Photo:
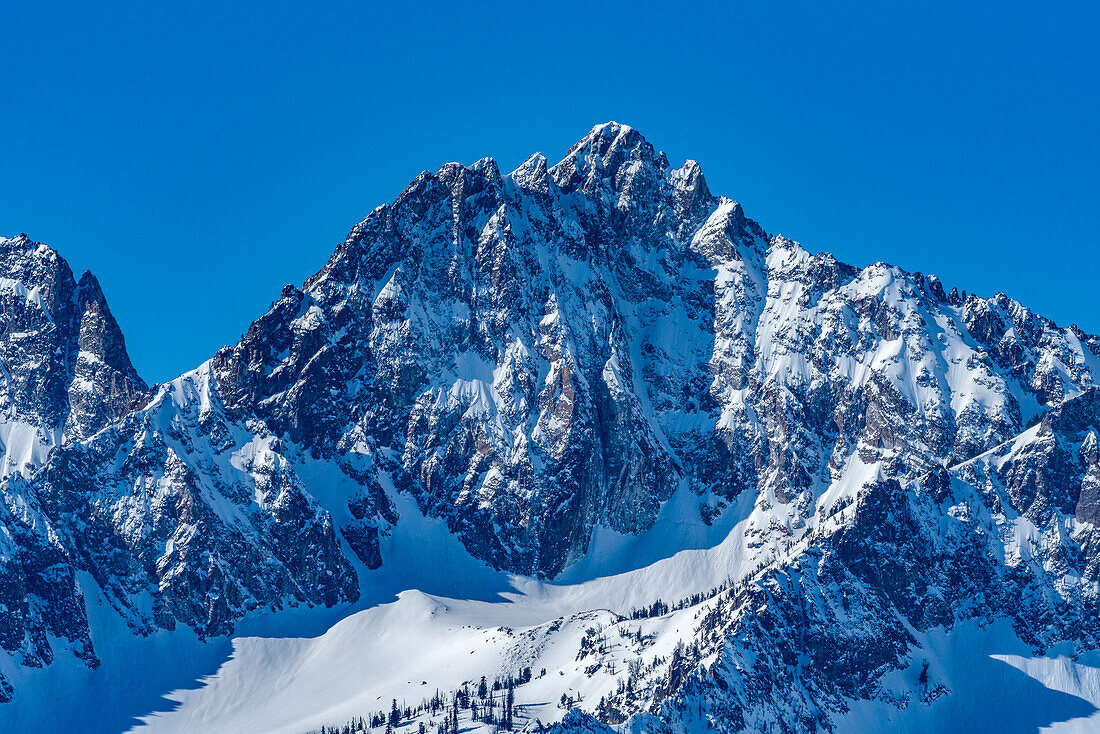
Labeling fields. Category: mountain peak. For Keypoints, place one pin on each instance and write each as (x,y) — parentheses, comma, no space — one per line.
(602,154)
(88,288)
(531,175)
(610,131)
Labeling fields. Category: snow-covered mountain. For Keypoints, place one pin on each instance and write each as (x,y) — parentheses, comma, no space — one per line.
(65,375)
(586,420)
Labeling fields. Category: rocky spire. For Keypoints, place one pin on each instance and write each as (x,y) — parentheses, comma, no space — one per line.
(104,382)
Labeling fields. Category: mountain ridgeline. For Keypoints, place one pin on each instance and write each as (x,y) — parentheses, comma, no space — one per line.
(534,356)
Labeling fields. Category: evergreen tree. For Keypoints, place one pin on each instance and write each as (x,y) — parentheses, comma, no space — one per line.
(509,703)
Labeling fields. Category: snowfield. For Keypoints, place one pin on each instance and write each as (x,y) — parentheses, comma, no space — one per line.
(408,645)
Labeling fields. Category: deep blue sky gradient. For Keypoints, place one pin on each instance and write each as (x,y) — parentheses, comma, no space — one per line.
(197,157)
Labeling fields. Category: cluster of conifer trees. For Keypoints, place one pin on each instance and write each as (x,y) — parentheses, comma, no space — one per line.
(493,704)
(660,608)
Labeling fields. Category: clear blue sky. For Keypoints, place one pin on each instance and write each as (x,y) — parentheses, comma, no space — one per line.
(197,156)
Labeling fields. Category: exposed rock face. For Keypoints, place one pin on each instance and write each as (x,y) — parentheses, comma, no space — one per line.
(156,505)
(65,376)
(534,355)
(510,402)
(132,491)
(1000,536)
(66,368)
